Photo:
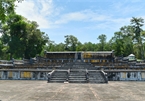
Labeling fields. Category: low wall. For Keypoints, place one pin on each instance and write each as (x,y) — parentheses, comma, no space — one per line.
(126,76)
(42,75)
(8,75)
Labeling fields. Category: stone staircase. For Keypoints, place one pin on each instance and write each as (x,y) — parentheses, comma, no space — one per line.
(77,77)
(78,72)
(96,77)
(59,77)
(80,65)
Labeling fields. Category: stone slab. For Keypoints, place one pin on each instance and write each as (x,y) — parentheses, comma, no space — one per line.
(29,90)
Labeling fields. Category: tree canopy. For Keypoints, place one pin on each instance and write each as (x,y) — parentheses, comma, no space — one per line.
(7,7)
(22,38)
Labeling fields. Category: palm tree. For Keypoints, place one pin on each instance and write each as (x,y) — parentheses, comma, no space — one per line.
(137,23)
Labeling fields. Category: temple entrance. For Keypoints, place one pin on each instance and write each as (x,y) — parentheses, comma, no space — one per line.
(79,56)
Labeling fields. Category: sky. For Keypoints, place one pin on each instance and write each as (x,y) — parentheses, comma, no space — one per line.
(84,19)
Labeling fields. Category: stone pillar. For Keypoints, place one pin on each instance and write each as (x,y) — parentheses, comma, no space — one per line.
(5,74)
(0,75)
(38,75)
(139,75)
(19,75)
(100,60)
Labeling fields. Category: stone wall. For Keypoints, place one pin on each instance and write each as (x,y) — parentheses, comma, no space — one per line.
(117,76)
(127,76)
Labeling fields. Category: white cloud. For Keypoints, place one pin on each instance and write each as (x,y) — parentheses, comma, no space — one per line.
(36,11)
(126,7)
(85,15)
(47,15)
(47,7)
(99,21)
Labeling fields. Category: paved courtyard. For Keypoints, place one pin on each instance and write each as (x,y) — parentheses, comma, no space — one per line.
(15,90)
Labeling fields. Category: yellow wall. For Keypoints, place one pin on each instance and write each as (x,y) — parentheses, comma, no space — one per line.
(86,60)
(93,61)
(143,75)
(123,75)
(104,60)
(26,74)
(87,55)
(10,74)
(22,74)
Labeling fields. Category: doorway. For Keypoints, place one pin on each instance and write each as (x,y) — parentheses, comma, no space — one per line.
(79,56)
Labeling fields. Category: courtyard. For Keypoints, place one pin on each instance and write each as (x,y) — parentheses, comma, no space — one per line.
(29,90)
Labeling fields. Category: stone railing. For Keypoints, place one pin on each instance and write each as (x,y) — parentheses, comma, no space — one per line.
(87,75)
(49,75)
(104,76)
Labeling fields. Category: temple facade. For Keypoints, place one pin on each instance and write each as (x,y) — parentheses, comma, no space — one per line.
(73,67)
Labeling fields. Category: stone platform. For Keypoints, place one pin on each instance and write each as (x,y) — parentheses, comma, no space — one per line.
(29,90)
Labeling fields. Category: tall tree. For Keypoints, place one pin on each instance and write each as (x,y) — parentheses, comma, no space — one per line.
(22,37)
(102,38)
(60,47)
(117,43)
(6,8)
(35,40)
(13,32)
(88,46)
(137,23)
(71,43)
(122,41)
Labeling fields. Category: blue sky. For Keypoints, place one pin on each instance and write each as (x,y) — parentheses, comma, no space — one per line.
(85,19)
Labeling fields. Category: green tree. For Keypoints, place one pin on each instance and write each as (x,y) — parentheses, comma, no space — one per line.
(122,41)
(79,47)
(6,8)
(137,23)
(22,37)
(102,38)
(51,46)
(60,47)
(1,47)
(36,40)
(71,43)
(117,43)
(13,32)
(88,46)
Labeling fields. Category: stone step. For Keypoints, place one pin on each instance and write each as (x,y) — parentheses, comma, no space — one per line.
(95,77)
(59,74)
(77,81)
(79,76)
(73,79)
(72,70)
(64,77)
